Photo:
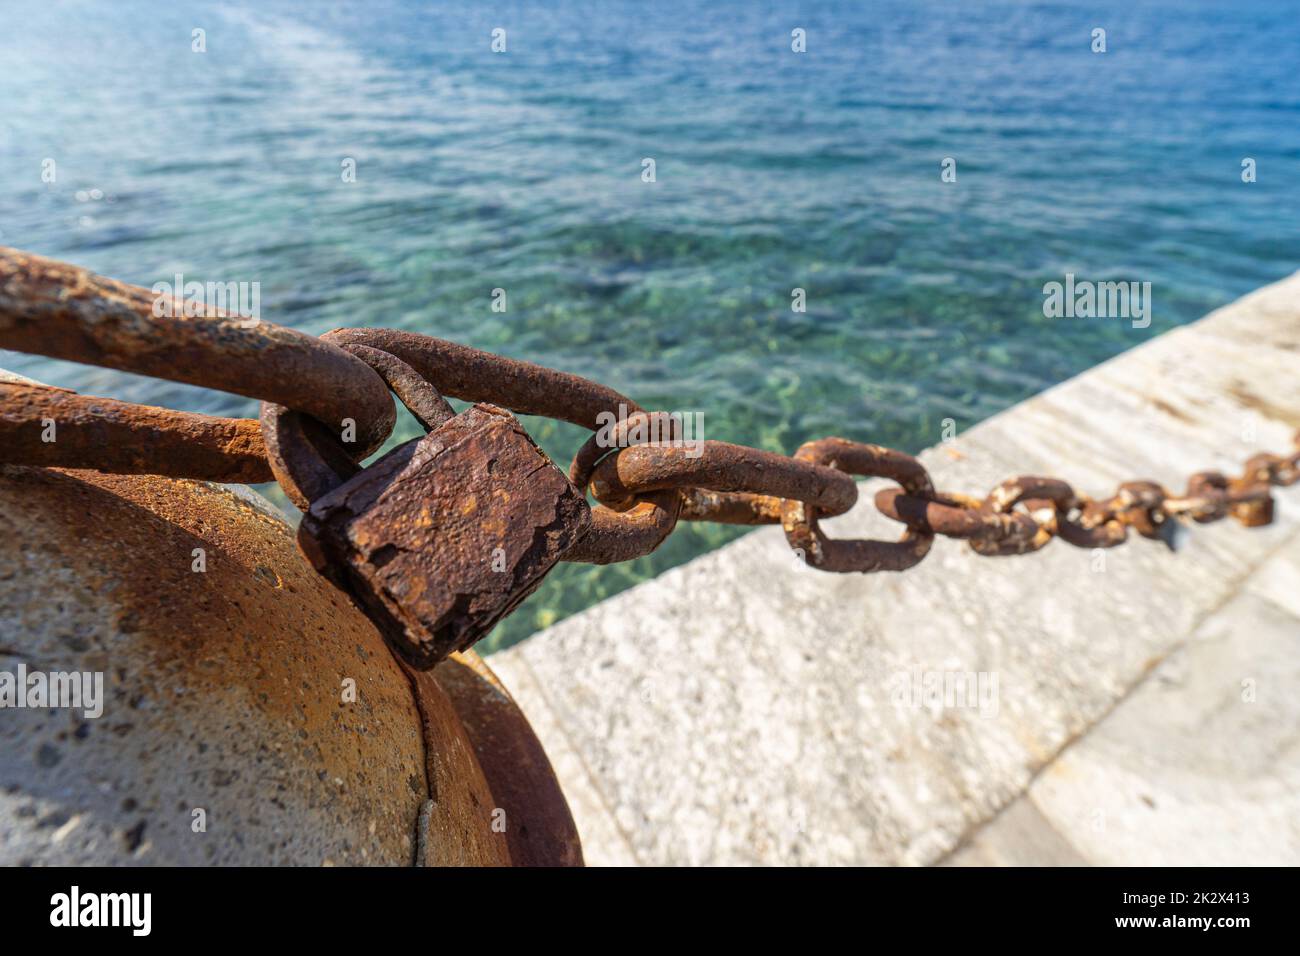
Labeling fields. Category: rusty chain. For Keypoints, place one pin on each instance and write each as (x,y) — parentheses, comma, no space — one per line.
(310,387)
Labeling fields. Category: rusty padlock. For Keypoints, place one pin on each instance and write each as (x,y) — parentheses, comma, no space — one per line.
(445,535)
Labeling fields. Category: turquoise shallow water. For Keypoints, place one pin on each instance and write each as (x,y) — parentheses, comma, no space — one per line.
(522,170)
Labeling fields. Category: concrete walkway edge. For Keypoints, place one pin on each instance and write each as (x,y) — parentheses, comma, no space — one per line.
(1130,706)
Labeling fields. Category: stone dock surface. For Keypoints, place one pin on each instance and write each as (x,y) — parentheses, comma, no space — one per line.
(742,709)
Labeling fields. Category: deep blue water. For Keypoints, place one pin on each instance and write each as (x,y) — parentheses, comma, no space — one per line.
(775,170)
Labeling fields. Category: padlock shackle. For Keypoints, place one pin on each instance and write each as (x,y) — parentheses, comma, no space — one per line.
(412,389)
(477,376)
(309,461)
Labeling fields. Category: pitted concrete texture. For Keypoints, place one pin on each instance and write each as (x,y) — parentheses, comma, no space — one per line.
(744,709)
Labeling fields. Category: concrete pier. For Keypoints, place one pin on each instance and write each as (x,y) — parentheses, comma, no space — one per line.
(1134,707)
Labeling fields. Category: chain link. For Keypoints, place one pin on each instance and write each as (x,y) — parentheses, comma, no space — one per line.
(642,487)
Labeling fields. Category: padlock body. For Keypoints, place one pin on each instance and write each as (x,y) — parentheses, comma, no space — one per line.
(445,535)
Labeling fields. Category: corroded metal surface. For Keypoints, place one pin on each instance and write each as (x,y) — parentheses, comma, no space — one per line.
(624,535)
(125,438)
(1051,508)
(719,466)
(1043,500)
(800,519)
(55,309)
(635,429)
(303,459)
(446,534)
(437,584)
(308,461)
(477,376)
(643,487)
(534,815)
(951,515)
(421,399)
(460,801)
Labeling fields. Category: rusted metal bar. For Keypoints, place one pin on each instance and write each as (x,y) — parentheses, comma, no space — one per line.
(1275,469)
(1043,499)
(730,507)
(55,309)
(1140,505)
(1095,525)
(720,466)
(478,376)
(953,516)
(800,519)
(307,464)
(56,428)
(607,441)
(622,536)
(421,399)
